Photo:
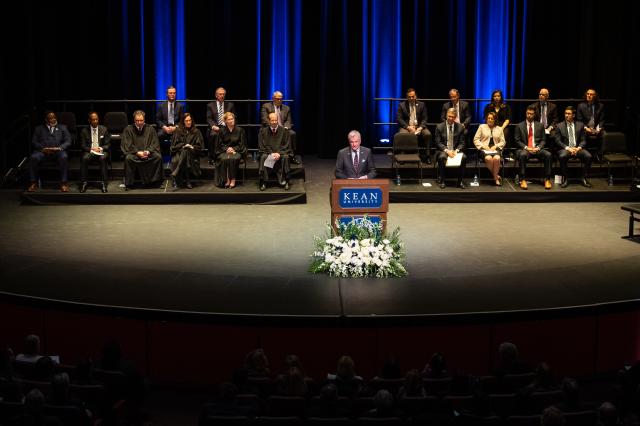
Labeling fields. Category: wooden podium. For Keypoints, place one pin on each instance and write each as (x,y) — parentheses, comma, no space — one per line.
(355,198)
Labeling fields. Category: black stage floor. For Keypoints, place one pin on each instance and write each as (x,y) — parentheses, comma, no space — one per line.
(236,261)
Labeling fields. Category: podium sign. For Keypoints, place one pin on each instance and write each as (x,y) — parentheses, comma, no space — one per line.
(356,198)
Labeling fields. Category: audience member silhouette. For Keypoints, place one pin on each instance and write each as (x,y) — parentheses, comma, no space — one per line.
(346,380)
(328,405)
(436,368)
(33,412)
(608,414)
(257,364)
(412,386)
(572,401)
(552,416)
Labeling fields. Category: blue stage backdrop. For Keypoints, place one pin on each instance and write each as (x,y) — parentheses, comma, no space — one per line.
(169,47)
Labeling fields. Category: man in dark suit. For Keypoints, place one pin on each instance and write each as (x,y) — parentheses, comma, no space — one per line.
(412,117)
(531,138)
(168,115)
(95,142)
(571,140)
(273,141)
(449,141)
(215,113)
(284,119)
(355,161)
(545,112)
(461,107)
(591,114)
(50,140)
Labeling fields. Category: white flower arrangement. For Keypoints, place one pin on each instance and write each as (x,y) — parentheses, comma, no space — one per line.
(359,249)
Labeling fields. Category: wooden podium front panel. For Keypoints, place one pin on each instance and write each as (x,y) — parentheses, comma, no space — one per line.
(360,196)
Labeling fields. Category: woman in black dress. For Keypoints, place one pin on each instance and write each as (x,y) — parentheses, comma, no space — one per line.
(501,110)
(231,146)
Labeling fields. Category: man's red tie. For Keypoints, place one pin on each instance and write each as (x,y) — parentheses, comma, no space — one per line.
(530,143)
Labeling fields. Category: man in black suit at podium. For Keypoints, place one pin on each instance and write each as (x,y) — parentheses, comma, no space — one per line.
(355,161)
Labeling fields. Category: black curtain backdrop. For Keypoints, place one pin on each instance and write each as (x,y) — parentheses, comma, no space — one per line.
(73,50)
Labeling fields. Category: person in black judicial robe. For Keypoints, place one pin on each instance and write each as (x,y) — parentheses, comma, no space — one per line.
(346,165)
(274,141)
(141,149)
(50,140)
(186,145)
(95,141)
(284,119)
(230,147)
(571,141)
(449,139)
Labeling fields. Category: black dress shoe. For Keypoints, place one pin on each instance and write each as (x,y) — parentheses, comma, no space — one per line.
(565,183)
(442,184)
(189,185)
(586,183)
(104,188)
(461,185)
(83,187)
(294,160)
(263,186)
(286,186)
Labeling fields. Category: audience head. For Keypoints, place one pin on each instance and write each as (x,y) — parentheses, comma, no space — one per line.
(227,392)
(346,367)
(34,402)
(551,416)
(391,369)
(257,362)
(329,392)
(544,377)
(111,355)
(413,383)
(43,369)
(60,387)
(32,345)
(293,360)
(437,366)
(383,402)
(571,390)
(608,414)
(507,353)
(496,97)
(6,361)
(294,384)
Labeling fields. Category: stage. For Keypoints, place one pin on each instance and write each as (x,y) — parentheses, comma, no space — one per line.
(237,261)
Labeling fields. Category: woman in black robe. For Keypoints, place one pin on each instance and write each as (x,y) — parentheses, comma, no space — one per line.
(186,145)
(230,147)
